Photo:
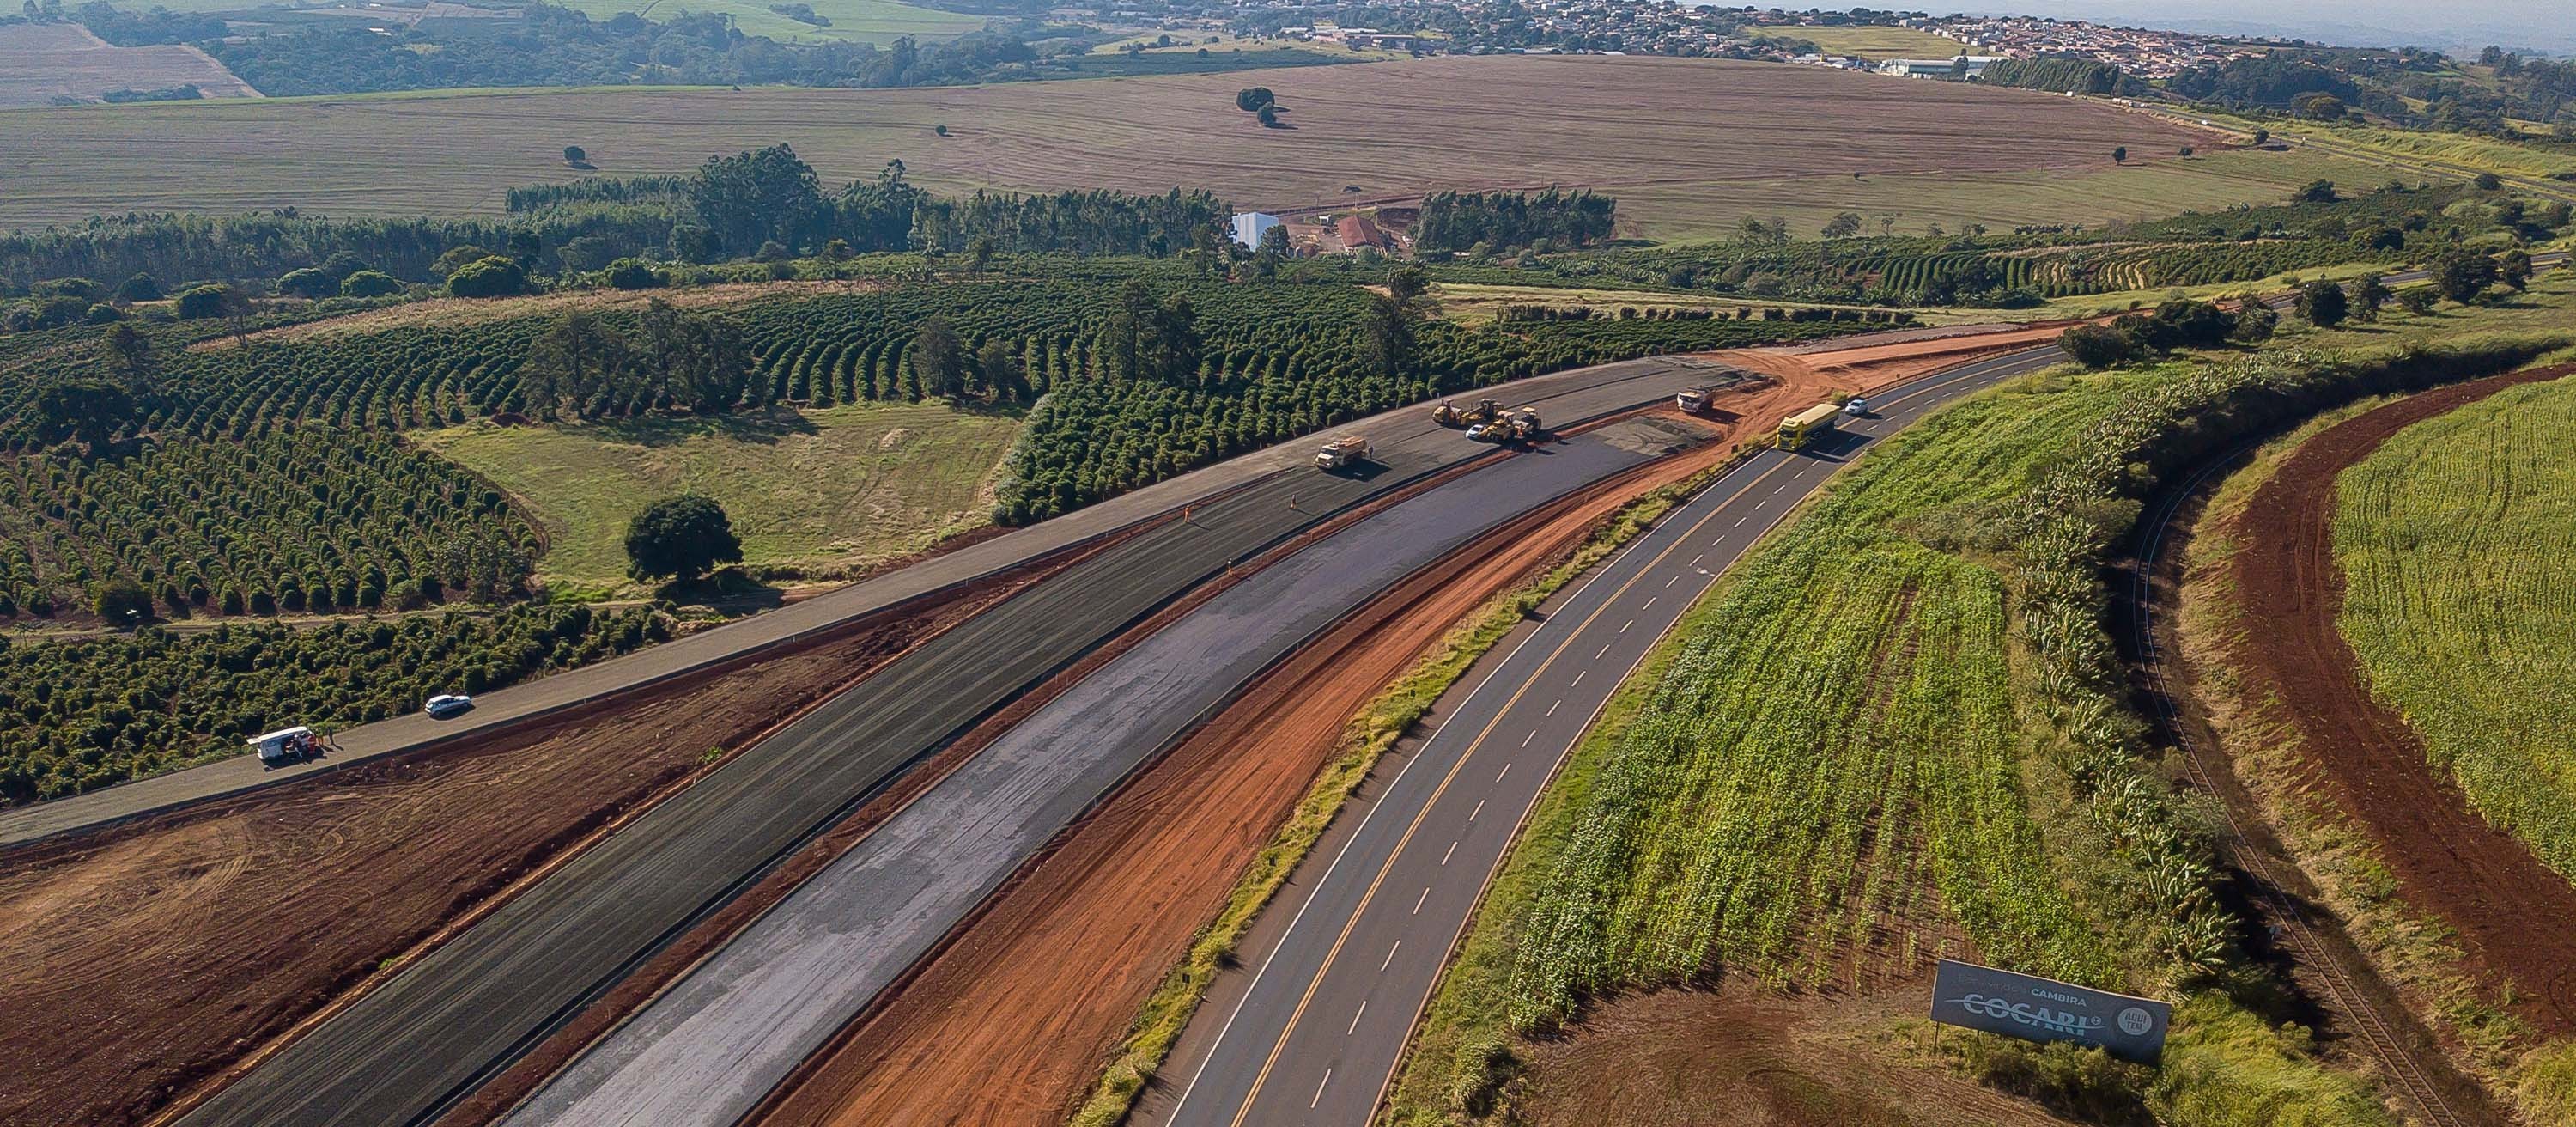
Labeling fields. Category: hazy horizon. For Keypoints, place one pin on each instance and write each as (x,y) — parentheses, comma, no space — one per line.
(2542,25)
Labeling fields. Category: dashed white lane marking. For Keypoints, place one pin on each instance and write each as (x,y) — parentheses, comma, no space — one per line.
(1390,956)
(1624,627)
(1551,709)
(1526,739)
(1448,853)
(1605,648)
(1695,560)
(1578,679)
(1669,582)
(1417,901)
(1498,775)
(1650,602)
(1480,808)
(1319,1090)
(1739,523)
(1355,1021)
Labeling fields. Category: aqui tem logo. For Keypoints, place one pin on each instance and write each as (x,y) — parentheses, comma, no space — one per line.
(2040,1009)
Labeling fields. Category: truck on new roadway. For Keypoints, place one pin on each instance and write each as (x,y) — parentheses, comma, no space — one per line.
(1314,1037)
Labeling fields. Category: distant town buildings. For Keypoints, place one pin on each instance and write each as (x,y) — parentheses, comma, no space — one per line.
(1962,66)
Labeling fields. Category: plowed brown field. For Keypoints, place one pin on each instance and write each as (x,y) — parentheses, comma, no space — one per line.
(136,963)
(2511,912)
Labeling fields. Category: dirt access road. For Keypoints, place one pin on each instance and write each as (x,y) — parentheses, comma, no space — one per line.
(2511,912)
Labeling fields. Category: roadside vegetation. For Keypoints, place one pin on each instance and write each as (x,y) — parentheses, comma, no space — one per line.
(1370,735)
(1897,731)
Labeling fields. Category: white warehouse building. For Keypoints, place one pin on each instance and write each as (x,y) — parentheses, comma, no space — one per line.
(1938,68)
(1250,225)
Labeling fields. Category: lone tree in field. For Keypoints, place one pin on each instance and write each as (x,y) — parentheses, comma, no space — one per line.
(2322,303)
(2369,293)
(2463,275)
(2120,155)
(681,537)
(1251,99)
(2315,191)
(574,154)
(1268,116)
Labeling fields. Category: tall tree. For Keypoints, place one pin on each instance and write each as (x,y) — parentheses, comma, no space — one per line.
(681,537)
(938,359)
(759,196)
(576,359)
(91,411)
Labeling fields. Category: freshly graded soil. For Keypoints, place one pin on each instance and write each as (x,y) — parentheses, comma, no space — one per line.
(2511,912)
(992,1029)
(137,963)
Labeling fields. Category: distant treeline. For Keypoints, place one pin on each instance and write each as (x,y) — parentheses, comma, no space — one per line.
(1461,220)
(756,203)
(2059,75)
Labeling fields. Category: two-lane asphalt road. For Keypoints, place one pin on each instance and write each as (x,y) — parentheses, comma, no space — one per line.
(1316,1037)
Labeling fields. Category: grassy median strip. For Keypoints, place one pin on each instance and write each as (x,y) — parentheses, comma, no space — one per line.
(1369,735)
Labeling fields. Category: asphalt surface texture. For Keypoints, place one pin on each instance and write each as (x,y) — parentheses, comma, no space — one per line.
(1563,396)
(1317,1034)
(706,1051)
(414,1046)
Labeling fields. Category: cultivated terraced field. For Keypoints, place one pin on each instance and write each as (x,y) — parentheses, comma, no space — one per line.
(1688,145)
(39,62)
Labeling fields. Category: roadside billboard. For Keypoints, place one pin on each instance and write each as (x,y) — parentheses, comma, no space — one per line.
(2041,1009)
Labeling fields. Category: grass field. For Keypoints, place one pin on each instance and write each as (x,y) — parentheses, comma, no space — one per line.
(872,21)
(1832,773)
(1877,42)
(1797,141)
(2458,543)
(823,492)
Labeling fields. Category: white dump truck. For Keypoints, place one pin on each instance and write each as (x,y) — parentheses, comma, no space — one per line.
(1692,401)
(285,745)
(1342,451)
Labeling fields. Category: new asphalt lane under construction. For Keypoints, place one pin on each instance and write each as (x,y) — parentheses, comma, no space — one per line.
(411,1048)
(707,1051)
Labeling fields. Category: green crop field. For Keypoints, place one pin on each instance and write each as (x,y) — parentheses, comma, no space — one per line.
(2458,543)
(1876,42)
(1839,766)
(822,492)
(873,21)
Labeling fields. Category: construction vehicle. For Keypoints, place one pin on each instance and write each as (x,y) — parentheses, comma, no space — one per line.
(285,745)
(1523,423)
(1798,431)
(1342,451)
(1448,414)
(1693,401)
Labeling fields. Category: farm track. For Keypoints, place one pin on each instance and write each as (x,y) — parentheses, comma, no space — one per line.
(2403,1049)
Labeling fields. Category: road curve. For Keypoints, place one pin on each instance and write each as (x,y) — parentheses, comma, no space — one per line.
(414,1046)
(1316,1037)
(1565,396)
(707,1051)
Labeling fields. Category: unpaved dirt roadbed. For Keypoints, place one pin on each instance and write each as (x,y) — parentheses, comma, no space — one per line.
(2512,912)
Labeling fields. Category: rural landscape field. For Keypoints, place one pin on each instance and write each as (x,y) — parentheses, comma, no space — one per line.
(1444,564)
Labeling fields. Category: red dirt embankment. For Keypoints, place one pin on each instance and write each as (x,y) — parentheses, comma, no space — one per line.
(138,963)
(993,1029)
(2513,913)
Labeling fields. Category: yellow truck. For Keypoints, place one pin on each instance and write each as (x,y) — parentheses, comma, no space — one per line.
(1799,431)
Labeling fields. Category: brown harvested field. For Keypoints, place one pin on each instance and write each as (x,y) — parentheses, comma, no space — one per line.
(137,963)
(40,62)
(1744,1057)
(2510,911)
(1686,143)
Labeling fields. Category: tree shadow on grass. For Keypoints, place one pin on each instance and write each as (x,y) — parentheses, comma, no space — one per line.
(756,425)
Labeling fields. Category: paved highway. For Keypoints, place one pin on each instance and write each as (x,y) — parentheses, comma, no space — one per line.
(429,1037)
(705,1052)
(1564,396)
(1316,1037)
